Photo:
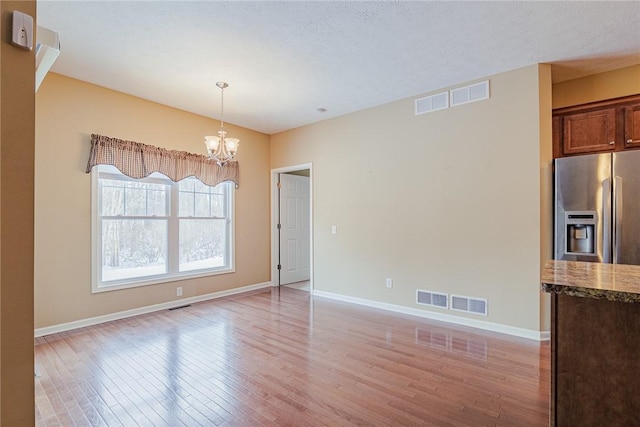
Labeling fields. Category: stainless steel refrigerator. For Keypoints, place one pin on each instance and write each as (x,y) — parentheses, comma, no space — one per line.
(597,208)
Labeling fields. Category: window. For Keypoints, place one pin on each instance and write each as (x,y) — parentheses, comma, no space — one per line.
(154,230)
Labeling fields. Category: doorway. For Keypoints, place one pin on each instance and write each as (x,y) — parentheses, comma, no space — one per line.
(292,225)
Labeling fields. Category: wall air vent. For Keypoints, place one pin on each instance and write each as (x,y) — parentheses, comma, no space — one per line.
(439,101)
(433,299)
(471,93)
(469,305)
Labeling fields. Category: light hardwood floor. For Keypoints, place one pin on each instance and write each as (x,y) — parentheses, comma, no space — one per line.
(285,357)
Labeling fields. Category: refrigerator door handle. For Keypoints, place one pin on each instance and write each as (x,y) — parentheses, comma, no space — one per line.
(617,218)
(606,220)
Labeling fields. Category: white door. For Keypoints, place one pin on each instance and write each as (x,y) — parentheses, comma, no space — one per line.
(295,232)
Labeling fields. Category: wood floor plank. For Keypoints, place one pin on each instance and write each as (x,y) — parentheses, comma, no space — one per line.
(278,357)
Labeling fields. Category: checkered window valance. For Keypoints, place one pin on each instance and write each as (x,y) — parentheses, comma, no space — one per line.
(138,160)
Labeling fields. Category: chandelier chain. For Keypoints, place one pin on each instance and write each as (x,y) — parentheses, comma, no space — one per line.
(222,107)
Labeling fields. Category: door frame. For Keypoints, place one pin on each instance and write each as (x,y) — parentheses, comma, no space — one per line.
(274,219)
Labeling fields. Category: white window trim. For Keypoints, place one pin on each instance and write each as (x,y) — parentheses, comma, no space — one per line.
(96,251)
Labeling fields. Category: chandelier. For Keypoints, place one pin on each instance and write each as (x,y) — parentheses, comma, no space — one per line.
(220,148)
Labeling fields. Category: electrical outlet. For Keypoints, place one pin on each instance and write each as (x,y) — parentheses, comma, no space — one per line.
(179,291)
(389,282)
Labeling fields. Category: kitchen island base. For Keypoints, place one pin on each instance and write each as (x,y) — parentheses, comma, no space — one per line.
(595,362)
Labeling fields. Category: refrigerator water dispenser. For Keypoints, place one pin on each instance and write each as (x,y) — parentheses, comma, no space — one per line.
(581,232)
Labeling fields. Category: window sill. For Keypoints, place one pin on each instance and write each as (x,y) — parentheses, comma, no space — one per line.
(149,281)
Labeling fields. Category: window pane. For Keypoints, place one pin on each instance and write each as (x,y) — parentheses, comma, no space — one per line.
(199,186)
(185,200)
(202,204)
(200,200)
(157,203)
(217,205)
(202,243)
(135,203)
(186,184)
(124,198)
(112,202)
(133,248)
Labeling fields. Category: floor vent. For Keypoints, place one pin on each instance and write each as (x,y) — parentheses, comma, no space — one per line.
(434,299)
(439,101)
(179,307)
(471,93)
(469,305)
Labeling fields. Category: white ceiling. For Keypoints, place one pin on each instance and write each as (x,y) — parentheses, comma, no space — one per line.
(283,60)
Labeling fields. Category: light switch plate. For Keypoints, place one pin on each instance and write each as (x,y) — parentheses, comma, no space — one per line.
(22,30)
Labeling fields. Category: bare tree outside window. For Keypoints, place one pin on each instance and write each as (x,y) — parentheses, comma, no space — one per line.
(146,223)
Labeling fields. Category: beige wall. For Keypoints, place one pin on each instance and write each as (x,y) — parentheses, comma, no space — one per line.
(17,122)
(546,185)
(437,195)
(597,87)
(68,112)
(448,201)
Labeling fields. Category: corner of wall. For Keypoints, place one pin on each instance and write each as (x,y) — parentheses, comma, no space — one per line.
(546,183)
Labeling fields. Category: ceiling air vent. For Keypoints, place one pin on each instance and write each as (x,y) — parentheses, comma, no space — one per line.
(471,93)
(469,305)
(439,101)
(434,299)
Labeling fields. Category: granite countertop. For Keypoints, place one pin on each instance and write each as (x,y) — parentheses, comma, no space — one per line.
(615,282)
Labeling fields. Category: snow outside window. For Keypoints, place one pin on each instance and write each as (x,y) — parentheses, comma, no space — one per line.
(154,230)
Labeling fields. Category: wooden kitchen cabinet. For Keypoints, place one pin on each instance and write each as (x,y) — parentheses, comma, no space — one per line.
(589,132)
(605,126)
(632,126)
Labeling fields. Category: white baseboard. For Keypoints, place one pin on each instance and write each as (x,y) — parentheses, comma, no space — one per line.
(545,335)
(480,324)
(39,332)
